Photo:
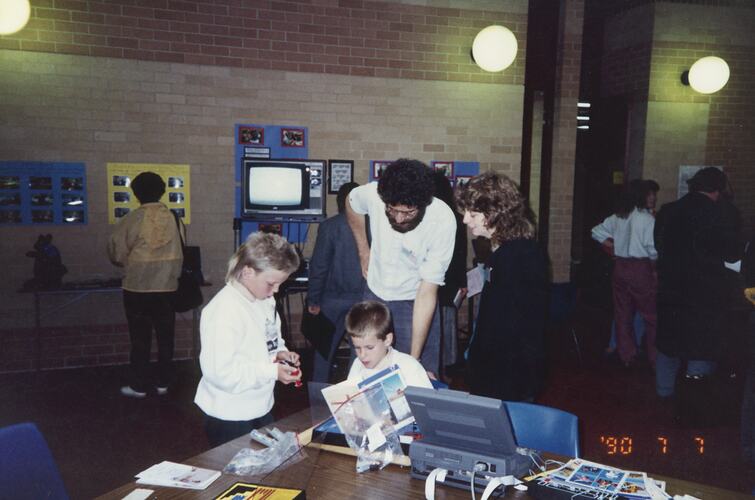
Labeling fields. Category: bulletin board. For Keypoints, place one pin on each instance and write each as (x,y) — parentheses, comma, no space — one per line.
(37,193)
(121,199)
(276,142)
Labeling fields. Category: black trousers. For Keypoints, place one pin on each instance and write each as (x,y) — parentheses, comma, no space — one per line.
(221,431)
(145,312)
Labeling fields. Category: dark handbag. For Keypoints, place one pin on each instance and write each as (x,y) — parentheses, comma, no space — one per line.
(188,296)
(319,331)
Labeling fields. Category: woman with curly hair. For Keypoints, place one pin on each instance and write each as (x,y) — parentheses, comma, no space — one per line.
(505,357)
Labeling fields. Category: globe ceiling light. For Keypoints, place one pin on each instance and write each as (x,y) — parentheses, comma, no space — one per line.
(707,75)
(494,48)
(14,14)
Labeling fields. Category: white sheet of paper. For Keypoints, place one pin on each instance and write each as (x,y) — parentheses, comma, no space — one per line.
(375,437)
(139,494)
(475,280)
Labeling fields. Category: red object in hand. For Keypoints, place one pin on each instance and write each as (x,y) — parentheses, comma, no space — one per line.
(297,383)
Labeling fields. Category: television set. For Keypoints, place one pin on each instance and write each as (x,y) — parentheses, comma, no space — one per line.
(283,190)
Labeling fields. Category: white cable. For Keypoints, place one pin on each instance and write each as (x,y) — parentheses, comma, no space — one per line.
(436,475)
(496,482)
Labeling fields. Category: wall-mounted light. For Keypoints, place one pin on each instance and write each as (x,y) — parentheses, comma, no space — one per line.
(494,48)
(14,14)
(707,75)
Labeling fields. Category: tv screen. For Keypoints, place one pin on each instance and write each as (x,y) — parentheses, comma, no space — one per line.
(276,186)
(283,190)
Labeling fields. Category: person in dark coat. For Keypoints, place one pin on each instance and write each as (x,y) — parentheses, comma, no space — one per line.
(693,238)
(335,278)
(505,358)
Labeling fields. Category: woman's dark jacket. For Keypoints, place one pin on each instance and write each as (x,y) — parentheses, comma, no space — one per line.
(507,350)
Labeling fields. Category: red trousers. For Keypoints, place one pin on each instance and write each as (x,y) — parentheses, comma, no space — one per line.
(634,288)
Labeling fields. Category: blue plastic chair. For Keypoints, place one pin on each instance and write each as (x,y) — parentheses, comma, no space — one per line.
(437,384)
(27,469)
(544,428)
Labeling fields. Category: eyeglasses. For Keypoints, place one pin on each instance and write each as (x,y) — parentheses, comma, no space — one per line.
(406,214)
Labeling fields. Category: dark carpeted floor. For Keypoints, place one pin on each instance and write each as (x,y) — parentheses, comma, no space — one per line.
(101,439)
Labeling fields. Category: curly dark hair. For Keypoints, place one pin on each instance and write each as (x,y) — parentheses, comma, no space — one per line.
(407,182)
(499,199)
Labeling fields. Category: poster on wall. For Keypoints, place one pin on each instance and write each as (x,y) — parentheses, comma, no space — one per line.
(121,199)
(38,193)
(686,172)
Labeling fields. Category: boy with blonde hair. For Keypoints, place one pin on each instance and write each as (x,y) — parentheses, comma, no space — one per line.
(370,327)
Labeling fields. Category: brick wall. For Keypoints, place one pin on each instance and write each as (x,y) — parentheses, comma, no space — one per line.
(94,109)
(344,37)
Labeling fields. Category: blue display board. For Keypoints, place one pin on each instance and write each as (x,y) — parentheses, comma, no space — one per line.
(276,142)
(39,193)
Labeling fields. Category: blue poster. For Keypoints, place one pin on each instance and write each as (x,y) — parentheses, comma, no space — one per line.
(274,142)
(38,193)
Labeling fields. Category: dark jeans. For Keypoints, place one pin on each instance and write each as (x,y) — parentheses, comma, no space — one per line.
(145,311)
(221,431)
(403,312)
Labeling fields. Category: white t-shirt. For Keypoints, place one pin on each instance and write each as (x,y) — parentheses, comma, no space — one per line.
(399,261)
(412,371)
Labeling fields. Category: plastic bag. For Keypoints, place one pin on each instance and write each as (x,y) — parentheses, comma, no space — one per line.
(281,447)
(366,422)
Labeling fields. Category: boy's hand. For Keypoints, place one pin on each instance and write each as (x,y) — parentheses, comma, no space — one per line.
(288,374)
(431,376)
(289,356)
(315,310)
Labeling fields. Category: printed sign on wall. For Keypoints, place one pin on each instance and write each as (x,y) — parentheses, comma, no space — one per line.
(121,199)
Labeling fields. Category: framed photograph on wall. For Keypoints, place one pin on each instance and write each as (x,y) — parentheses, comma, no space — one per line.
(462,180)
(339,173)
(378,167)
(251,135)
(447,167)
(292,137)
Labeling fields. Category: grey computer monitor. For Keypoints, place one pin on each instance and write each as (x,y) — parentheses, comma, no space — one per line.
(459,420)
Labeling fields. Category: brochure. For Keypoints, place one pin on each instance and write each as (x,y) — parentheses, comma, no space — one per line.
(391,383)
(583,479)
(177,476)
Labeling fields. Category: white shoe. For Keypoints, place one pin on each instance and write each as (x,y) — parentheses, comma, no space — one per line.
(161,391)
(127,391)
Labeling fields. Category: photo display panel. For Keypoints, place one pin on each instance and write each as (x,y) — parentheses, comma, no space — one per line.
(37,193)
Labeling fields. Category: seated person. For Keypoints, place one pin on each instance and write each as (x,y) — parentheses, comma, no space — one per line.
(370,327)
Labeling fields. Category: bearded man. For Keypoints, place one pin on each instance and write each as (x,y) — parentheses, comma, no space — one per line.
(413,236)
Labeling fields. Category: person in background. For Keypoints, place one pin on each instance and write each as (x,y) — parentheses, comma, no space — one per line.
(146,243)
(456,275)
(370,328)
(506,353)
(412,244)
(747,421)
(692,238)
(243,353)
(335,278)
(646,190)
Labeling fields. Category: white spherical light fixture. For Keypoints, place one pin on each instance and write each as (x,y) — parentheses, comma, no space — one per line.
(494,48)
(14,14)
(708,75)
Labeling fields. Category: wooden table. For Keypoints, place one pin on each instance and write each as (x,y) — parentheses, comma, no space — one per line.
(327,475)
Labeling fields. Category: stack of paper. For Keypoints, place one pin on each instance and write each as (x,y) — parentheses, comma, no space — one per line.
(177,476)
